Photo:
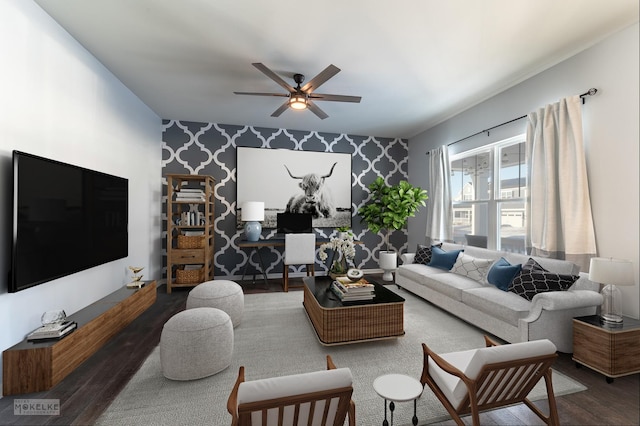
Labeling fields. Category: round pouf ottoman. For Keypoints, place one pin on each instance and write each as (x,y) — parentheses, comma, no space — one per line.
(196,343)
(220,294)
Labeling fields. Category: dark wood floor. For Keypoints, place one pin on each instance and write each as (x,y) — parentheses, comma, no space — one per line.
(89,390)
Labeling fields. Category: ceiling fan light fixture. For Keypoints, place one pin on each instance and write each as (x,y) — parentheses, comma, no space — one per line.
(298,101)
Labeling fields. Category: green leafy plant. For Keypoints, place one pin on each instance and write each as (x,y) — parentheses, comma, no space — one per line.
(389,206)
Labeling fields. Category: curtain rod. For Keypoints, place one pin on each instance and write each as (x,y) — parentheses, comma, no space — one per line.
(589,92)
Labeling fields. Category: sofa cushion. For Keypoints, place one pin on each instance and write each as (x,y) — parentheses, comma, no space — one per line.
(534,279)
(471,267)
(423,254)
(417,272)
(443,259)
(502,273)
(452,285)
(504,305)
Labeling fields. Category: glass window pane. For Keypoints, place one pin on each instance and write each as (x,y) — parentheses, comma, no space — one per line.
(471,177)
(512,226)
(462,219)
(513,172)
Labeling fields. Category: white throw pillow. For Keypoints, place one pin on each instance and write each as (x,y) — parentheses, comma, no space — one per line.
(472,267)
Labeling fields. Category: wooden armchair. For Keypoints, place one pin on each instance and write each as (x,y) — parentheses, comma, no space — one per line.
(321,397)
(469,382)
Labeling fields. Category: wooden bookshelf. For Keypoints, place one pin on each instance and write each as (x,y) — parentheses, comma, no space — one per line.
(37,366)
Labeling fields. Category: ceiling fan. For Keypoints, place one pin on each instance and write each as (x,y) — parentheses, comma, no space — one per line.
(302,97)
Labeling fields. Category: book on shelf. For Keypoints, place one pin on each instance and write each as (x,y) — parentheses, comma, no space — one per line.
(191,219)
(53,331)
(188,194)
(192,267)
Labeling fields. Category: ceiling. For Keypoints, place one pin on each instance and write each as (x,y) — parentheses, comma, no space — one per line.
(414,62)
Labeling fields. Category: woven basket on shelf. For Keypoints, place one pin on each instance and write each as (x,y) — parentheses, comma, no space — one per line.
(190,242)
(189,276)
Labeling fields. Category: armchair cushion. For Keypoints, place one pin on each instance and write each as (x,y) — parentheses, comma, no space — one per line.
(471,362)
(279,387)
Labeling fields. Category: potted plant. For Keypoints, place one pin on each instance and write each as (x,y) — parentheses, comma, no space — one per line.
(387,209)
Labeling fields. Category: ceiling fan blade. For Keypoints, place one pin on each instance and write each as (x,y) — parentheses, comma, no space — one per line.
(273,76)
(282,95)
(280,110)
(316,110)
(319,79)
(336,98)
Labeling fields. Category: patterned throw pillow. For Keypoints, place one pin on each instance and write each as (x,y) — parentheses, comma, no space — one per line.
(423,254)
(443,259)
(534,279)
(471,267)
(502,273)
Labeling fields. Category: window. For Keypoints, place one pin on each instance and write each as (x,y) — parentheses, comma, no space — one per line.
(488,189)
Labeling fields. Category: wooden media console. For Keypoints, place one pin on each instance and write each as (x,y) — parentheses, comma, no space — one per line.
(38,366)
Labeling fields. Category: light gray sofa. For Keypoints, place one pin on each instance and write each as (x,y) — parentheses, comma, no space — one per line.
(503,313)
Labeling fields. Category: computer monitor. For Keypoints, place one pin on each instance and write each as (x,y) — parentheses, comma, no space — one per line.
(294,223)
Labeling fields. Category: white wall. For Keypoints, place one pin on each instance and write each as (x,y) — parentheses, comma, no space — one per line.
(59,102)
(610,130)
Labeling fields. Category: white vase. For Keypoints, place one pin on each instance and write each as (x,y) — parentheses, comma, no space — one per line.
(388,261)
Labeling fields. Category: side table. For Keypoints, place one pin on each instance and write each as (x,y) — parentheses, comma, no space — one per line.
(397,388)
(612,350)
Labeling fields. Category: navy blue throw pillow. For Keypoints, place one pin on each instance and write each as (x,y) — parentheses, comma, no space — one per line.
(423,254)
(502,273)
(534,279)
(443,259)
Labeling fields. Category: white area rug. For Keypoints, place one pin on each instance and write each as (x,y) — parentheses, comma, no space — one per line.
(276,338)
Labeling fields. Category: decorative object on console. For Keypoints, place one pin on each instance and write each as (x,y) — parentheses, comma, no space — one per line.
(345,250)
(611,273)
(136,280)
(52,317)
(252,214)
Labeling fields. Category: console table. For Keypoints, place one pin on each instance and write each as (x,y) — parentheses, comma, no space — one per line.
(255,246)
(38,366)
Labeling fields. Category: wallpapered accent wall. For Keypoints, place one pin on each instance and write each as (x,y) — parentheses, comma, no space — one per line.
(210,149)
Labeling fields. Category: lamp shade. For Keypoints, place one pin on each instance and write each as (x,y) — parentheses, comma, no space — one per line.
(252,211)
(606,270)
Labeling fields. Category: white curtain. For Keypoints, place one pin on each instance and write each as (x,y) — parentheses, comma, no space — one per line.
(558,209)
(439,210)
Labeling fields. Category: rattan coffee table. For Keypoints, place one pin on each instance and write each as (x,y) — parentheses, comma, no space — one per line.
(338,323)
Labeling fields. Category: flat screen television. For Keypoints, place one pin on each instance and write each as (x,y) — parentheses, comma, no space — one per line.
(294,223)
(65,219)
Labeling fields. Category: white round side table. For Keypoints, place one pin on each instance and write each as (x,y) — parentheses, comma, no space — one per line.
(397,388)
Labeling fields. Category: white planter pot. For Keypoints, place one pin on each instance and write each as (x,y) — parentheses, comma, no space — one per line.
(388,262)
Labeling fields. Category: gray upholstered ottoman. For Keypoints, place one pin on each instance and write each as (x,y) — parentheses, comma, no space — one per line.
(220,294)
(196,343)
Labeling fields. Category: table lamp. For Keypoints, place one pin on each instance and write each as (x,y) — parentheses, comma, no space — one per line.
(252,214)
(611,273)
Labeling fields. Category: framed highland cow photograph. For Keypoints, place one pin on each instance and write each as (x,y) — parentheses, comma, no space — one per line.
(317,183)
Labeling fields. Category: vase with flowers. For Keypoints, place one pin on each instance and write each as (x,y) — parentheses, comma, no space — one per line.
(344,251)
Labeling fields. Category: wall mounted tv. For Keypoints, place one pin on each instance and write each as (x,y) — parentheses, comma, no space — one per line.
(65,219)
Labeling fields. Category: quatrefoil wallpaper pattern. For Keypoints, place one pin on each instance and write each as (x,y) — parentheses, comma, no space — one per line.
(210,149)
